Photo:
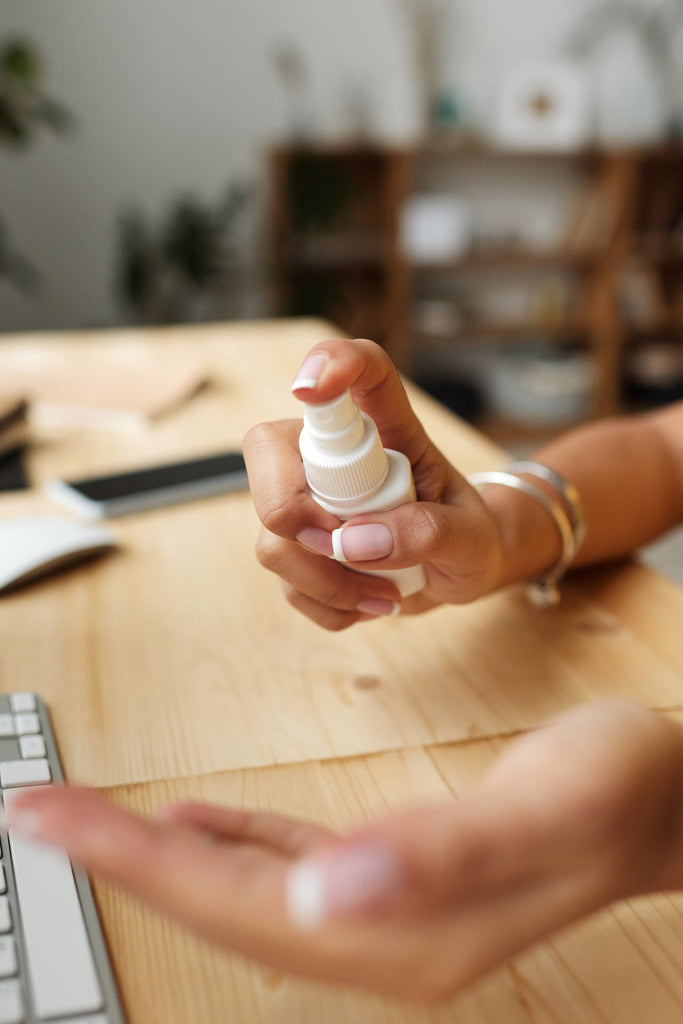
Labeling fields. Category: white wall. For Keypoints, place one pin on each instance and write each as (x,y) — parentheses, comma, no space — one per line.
(172,95)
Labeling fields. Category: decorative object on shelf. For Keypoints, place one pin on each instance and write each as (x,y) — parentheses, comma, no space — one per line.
(187,267)
(25,109)
(440,318)
(636,69)
(540,386)
(654,373)
(639,295)
(449,114)
(292,72)
(435,227)
(428,26)
(359,122)
(551,301)
(543,106)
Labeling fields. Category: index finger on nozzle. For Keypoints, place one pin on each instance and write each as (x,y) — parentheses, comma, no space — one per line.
(340,363)
(366,370)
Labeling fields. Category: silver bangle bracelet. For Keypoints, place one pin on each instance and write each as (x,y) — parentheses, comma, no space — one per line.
(543,591)
(566,491)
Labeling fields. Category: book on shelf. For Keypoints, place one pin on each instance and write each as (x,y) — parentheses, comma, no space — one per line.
(661,209)
(593,220)
(639,295)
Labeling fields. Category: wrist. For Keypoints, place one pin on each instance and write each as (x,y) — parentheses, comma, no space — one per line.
(529,540)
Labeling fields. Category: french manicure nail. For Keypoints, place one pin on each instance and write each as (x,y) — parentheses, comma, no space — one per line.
(362,543)
(167,812)
(26,822)
(317,540)
(379,606)
(320,888)
(310,372)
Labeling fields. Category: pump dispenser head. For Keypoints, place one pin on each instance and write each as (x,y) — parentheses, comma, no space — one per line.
(341,450)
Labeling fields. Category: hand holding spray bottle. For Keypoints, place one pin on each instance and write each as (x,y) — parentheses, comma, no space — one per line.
(349,473)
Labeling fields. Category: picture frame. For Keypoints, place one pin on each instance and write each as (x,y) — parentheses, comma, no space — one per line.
(543,106)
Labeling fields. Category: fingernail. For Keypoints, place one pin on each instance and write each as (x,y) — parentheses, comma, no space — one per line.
(379,606)
(317,889)
(310,372)
(362,543)
(166,812)
(26,822)
(316,539)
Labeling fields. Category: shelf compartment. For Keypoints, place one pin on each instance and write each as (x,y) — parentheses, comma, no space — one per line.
(507,330)
(668,322)
(336,252)
(514,257)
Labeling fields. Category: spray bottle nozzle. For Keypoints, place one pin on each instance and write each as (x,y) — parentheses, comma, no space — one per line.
(337,426)
(341,450)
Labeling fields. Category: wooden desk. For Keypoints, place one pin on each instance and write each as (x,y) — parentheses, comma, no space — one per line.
(174,669)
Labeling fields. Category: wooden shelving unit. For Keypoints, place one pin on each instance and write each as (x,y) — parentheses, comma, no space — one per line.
(503,331)
(519,256)
(335,251)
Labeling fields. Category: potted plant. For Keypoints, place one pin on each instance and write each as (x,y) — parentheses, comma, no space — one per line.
(184,267)
(25,110)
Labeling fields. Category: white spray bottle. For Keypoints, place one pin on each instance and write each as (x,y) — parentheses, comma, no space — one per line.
(349,473)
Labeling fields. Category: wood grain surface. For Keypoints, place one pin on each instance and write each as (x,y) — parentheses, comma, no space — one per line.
(174,668)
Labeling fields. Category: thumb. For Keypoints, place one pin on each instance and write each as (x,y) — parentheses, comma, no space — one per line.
(460,541)
(411,863)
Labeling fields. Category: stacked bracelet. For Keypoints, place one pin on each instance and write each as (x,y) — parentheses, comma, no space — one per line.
(565,490)
(565,511)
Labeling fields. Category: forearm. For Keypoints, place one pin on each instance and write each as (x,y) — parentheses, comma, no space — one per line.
(629,474)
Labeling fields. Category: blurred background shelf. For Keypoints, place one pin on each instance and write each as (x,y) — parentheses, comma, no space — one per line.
(406,245)
(570,326)
(517,256)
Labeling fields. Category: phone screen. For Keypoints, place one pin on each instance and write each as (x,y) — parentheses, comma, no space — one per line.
(156,478)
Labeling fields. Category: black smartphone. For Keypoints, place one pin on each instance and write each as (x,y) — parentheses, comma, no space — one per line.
(103,497)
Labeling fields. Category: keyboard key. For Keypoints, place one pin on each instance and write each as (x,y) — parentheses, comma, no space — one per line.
(11,1005)
(48,970)
(61,969)
(99,1018)
(32,746)
(24,773)
(9,749)
(8,957)
(26,723)
(22,702)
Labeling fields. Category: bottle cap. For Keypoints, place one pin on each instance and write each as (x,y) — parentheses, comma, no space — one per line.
(341,450)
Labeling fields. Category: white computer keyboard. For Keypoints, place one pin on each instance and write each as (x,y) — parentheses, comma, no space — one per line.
(54,964)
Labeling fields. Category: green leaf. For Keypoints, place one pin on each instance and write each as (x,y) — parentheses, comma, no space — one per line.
(21,61)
